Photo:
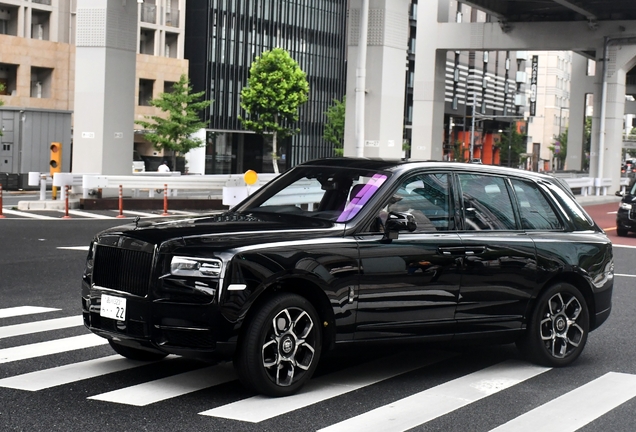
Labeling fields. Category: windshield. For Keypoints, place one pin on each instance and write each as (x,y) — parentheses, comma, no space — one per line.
(331,193)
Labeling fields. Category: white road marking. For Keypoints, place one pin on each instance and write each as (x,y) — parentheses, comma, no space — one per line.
(170,387)
(24,310)
(624,275)
(577,408)
(138,213)
(40,326)
(40,349)
(43,379)
(623,246)
(427,405)
(259,408)
(79,248)
(87,214)
(27,215)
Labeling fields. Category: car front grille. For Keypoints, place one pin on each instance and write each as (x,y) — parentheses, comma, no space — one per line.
(124,270)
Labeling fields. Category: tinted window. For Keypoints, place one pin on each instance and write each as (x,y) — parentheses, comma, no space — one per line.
(486,203)
(535,211)
(579,218)
(426,197)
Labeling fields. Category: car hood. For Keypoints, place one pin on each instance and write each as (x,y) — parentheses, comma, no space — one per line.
(226,230)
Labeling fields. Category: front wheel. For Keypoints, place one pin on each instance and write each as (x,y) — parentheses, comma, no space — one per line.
(621,232)
(136,353)
(557,328)
(280,348)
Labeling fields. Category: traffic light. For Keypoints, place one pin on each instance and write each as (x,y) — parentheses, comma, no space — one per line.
(55,164)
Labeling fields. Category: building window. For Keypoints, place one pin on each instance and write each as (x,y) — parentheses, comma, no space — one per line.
(172,40)
(148,13)
(147,42)
(41,82)
(8,77)
(40,23)
(168,86)
(145,91)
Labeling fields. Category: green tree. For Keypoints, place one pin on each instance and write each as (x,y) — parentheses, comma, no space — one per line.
(173,130)
(513,144)
(334,127)
(276,87)
(587,144)
(562,139)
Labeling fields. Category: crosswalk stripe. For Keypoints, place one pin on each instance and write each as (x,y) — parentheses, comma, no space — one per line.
(43,379)
(27,215)
(259,408)
(577,408)
(40,326)
(40,349)
(24,310)
(78,248)
(183,212)
(138,213)
(170,387)
(427,405)
(87,214)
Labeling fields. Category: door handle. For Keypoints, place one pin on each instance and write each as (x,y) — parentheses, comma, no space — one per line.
(474,250)
(451,250)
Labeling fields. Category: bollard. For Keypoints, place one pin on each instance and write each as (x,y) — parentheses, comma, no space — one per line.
(121,202)
(66,216)
(1,215)
(165,201)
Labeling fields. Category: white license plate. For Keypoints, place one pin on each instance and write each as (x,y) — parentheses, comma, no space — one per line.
(113,307)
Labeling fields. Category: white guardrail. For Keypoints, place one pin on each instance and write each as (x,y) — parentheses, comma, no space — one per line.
(231,187)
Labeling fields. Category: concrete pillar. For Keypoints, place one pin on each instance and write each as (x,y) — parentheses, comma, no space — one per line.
(620,60)
(105,61)
(429,83)
(581,85)
(385,78)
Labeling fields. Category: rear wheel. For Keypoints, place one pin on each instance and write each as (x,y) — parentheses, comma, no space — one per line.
(281,346)
(558,327)
(136,353)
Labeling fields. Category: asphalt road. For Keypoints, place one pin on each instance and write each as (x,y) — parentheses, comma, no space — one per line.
(55,377)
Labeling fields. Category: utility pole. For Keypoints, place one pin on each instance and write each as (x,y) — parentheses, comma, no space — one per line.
(361,74)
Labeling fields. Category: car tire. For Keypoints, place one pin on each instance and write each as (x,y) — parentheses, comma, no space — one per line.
(621,232)
(136,353)
(281,346)
(558,327)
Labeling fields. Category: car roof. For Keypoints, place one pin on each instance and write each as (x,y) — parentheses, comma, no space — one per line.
(400,166)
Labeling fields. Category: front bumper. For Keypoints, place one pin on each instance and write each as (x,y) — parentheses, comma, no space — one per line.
(190,330)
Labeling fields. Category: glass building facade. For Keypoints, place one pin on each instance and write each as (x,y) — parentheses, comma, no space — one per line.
(223,37)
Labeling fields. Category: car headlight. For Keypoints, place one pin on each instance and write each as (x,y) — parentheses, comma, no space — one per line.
(195,267)
(625,206)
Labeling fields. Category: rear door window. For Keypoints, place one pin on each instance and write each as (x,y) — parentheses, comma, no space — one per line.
(486,203)
(534,209)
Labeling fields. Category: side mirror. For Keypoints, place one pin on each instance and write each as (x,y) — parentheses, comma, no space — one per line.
(619,193)
(399,221)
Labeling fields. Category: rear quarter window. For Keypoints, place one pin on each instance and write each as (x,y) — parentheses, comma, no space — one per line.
(580,220)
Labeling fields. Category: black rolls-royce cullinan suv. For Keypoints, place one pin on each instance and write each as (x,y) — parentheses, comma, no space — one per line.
(347,251)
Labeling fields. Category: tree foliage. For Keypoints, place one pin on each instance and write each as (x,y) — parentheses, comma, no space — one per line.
(276,87)
(512,145)
(172,131)
(562,153)
(334,127)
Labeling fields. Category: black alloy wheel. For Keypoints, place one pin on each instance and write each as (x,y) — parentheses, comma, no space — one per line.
(136,353)
(558,327)
(280,348)
(621,232)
